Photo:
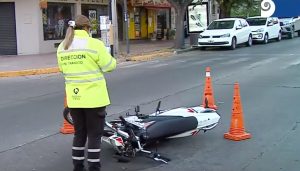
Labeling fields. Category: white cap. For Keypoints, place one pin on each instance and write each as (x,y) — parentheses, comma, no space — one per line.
(71,23)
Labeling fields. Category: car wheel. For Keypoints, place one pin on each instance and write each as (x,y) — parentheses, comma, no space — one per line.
(233,43)
(202,48)
(266,39)
(250,41)
(279,36)
(291,35)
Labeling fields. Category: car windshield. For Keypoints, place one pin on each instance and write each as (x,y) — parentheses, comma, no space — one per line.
(257,21)
(285,19)
(216,25)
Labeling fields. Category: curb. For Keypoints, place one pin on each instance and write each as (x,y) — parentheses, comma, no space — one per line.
(29,72)
(180,51)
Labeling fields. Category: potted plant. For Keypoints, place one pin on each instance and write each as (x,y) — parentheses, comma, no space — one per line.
(153,35)
(171,34)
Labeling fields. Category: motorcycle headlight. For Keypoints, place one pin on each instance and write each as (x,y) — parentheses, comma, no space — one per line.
(225,35)
(260,30)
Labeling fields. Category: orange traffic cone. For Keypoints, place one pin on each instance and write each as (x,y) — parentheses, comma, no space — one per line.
(66,128)
(237,129)
(208,95)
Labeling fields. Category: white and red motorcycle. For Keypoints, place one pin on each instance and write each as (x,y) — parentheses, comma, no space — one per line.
(131,134)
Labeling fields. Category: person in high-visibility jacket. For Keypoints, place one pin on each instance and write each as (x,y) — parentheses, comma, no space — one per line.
(82,61)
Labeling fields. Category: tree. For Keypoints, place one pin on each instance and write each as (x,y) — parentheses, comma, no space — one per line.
(246,10)
(226,6)
(180,7)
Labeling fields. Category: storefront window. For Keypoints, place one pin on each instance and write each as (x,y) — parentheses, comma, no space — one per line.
(93,12)
(55,20)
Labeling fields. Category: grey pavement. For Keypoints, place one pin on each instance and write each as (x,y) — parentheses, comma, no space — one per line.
(269,79)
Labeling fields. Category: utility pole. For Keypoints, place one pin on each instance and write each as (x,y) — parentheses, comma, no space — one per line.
(115,27)
(126,26)
(111,34)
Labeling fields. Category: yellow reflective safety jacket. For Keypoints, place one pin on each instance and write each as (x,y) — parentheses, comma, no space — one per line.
(83,65)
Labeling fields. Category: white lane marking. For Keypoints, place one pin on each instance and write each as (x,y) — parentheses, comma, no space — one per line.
(206,61)
(263,62)
(152,62)
(158,65)
(139,64)
(256,54)
(235,61)
(292,63)
(131,65)
(178,61)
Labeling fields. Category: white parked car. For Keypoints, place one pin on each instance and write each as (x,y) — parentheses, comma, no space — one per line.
(289,26)
(227,32)
(263,29)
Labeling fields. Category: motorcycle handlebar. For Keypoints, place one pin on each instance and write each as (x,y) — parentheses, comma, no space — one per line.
(122,119)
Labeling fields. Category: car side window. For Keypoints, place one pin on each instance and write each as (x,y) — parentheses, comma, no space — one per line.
(270,22)
(244,23)
(275,21)
(240,23)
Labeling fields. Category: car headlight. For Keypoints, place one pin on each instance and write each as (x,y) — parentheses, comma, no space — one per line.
(225,35)
(260,30)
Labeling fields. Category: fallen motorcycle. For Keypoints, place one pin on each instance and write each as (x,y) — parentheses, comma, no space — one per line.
(129,135)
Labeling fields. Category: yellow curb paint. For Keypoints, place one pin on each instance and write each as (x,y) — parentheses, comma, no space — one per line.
(150,56)
(29,72)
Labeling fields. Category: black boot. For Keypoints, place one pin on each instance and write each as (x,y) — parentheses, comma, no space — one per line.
(79,168)
(93,168)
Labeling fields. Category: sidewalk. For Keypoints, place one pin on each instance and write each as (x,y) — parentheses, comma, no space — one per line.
(140,50)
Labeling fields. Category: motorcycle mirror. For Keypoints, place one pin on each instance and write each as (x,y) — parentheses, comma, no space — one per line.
(158,106)
(137,109)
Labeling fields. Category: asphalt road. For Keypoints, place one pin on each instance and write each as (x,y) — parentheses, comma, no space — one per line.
(269,77)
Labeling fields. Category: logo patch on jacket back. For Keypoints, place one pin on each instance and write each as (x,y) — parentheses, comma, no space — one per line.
(76,90)
(76,96)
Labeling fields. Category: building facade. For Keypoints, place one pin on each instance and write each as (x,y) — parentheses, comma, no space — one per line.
(38,26)
(147,19)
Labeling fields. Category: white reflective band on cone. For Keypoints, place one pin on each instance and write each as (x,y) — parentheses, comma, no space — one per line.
(94,150)
(93,160)
(77,148)
(77,158)
(207,74)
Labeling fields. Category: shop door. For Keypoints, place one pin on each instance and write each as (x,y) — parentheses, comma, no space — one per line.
(8,41)
(137,23)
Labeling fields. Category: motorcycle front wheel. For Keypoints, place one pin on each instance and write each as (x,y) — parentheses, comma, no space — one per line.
(67,116)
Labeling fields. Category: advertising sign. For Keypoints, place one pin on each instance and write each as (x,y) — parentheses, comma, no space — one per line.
(280,8)
(104,27)
(197,18)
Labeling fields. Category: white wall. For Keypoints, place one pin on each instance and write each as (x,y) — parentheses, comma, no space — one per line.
(27,26)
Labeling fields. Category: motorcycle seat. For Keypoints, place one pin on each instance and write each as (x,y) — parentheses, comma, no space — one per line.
(166,126)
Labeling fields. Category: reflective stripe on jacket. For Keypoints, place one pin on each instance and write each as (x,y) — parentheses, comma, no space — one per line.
(83,65)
